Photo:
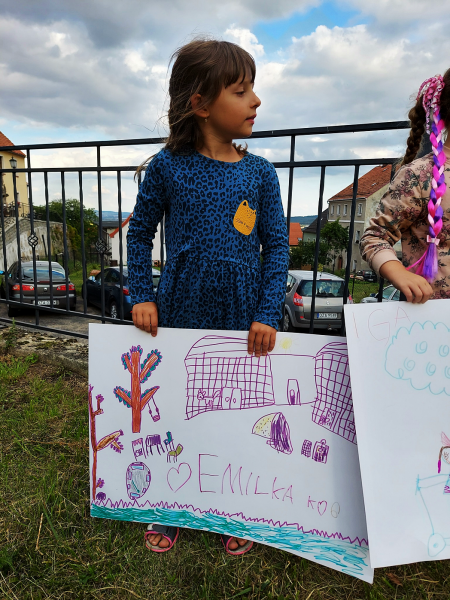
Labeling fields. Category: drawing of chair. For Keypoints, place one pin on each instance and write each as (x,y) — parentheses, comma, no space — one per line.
(138,448)
(169,442)
(174,454)
(436,500)
(151,441)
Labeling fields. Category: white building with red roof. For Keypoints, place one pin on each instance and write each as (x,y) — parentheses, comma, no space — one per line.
(114,243)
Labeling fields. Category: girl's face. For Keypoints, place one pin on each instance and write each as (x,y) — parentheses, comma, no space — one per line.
(232,114)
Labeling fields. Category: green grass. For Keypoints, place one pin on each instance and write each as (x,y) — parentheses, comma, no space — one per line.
(362,289)
(44,475)
(77,276)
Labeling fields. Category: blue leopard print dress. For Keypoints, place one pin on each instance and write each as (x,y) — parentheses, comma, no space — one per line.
(218,215)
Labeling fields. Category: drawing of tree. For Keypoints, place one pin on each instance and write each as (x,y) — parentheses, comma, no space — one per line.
(112,440)
(139,374)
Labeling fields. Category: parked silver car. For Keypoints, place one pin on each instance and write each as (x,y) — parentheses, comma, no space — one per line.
(328,306)
(390,294)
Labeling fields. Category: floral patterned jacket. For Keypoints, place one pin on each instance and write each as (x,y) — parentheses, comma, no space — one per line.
(402,215)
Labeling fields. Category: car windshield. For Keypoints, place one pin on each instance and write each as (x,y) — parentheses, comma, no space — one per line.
(42,274)
(387,292)
(325,288)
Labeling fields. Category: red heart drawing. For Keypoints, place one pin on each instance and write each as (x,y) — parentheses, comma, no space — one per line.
(322,507)
(178,477)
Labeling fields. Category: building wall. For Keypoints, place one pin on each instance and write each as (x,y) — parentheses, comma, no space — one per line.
(21,182)
(309,237)
(341,209)
(372,205)
(26,253)
(114,245)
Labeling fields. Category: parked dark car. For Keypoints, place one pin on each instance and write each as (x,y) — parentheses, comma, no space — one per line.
(367,275)
(54,294)
(93,289)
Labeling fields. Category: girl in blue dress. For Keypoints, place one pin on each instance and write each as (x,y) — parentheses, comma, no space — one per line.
(223,214)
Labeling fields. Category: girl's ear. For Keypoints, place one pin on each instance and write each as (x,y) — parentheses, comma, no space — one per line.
(196,101)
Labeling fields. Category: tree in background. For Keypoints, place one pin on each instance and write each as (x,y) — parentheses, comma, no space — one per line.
(303,254)
(333,241)
(73,220)
(335,237)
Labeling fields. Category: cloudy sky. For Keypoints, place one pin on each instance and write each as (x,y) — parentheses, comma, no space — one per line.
(75,71)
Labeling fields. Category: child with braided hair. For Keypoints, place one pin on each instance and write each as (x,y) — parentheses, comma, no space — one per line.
(415,206)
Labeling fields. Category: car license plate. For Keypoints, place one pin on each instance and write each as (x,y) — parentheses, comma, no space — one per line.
(47,302)
(327,315)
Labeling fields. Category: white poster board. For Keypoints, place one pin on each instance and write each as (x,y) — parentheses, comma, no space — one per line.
(189,430)
(400,369)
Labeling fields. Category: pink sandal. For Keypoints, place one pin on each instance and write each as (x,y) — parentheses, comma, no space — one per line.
(226,539)
(169,533)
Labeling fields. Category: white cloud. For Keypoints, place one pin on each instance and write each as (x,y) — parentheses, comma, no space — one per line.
(104,189)
(135,62)
(246,39)
(62,42)
(401,12)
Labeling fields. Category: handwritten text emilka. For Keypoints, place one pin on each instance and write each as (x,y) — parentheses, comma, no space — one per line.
(212,480)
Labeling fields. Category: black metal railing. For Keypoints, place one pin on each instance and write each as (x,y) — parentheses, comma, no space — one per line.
(101,247)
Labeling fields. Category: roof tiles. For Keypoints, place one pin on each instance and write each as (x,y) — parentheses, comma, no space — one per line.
(295,234)
(368,184)
(4,141)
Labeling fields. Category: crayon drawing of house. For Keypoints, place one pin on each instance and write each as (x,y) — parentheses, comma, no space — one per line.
(333,408)
(221,375)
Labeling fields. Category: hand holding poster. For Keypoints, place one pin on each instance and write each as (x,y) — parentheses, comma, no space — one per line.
(203,435)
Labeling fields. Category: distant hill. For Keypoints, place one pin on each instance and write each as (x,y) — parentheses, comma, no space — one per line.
(304,221)
(110,215)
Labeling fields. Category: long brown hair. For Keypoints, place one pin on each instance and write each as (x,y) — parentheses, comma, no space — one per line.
(204,67)
(417,117)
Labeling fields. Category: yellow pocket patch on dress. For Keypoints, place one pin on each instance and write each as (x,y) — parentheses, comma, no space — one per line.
(244,219)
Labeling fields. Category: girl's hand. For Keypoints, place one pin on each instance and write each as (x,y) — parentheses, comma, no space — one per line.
(415,287)
(145,317)
(261,339)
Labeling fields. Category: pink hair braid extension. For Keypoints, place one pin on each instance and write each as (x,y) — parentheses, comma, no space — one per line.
(427,265)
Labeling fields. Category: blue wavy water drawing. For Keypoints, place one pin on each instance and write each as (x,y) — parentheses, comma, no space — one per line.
(349,558)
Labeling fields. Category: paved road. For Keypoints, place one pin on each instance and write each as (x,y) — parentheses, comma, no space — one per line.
(77,325)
